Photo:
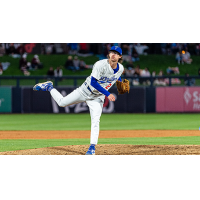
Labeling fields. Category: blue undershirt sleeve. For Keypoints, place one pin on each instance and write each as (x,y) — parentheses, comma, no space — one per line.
(120,79)
(97,86)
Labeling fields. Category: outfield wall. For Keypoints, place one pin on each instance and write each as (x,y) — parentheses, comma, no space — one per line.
(139,100)
(42,102)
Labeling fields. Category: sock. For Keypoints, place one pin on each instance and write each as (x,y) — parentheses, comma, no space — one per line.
(50,88)
(92,145)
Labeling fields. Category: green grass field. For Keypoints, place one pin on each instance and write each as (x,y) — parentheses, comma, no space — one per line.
(108,122)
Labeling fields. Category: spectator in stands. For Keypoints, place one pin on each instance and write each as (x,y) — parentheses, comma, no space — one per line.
(50,72)
(160,73)
(11,49)
(186,57)
(64,48)
(50,48)
(82,65)
(134,54)
(1,69)
(58,72)
(76,62)
(73,48)
(83,48)
(53,48)
(168,48)
(129,71)
(173,80)
(173,70)
(137,71)
(159,81)
(136,74)
(141,49)
(174,48)
(43,49)
(179,57)
(23,62)
(21,49)
(156,82)
(189,81)
(69,64)
(2,50)
(145,73)
(154,73)
(35,63)
(125,48)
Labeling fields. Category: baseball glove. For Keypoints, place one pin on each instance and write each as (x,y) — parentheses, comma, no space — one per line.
(123,87)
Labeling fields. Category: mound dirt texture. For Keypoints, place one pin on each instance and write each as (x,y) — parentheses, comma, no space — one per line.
(104,149)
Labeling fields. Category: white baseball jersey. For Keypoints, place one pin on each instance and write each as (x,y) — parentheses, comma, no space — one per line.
(103,72)
(105,76)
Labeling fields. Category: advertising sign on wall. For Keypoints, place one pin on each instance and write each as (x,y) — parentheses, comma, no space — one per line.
(191,97)
(5,99)
(178,99)
(42,102)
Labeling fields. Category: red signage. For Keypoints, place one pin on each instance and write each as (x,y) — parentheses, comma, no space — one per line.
(192,99)
(178,99)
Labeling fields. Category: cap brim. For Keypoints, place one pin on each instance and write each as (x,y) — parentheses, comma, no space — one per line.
(115,51)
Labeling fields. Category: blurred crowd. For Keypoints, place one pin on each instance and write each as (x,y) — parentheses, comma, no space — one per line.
(26,66)
(131,53)
(73,64)
(131,49)
(101,49)
(142,75)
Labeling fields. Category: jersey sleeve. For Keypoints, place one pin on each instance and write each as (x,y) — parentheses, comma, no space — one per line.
(97,86)
(97,70)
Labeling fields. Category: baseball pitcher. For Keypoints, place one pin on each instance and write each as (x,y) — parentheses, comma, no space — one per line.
(105,74)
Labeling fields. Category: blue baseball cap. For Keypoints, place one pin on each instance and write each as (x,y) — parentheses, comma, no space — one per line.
(117,49)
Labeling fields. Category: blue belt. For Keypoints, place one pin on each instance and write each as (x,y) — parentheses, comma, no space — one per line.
(89,88)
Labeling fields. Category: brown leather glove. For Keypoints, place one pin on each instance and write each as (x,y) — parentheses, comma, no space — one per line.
(123,87)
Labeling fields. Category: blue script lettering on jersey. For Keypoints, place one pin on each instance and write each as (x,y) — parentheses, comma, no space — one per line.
(107,80)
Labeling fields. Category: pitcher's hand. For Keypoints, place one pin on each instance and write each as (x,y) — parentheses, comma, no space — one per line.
(111,97)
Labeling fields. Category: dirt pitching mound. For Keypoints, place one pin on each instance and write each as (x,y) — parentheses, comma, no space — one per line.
(107,149)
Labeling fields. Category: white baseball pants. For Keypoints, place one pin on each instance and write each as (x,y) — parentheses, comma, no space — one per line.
(95,107)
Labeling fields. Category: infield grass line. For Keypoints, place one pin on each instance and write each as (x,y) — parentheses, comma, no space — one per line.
(22,144)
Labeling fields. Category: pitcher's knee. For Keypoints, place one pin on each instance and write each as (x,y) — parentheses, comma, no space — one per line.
(61,103)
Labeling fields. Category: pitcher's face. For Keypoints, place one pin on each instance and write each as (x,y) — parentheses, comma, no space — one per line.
(114,56)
